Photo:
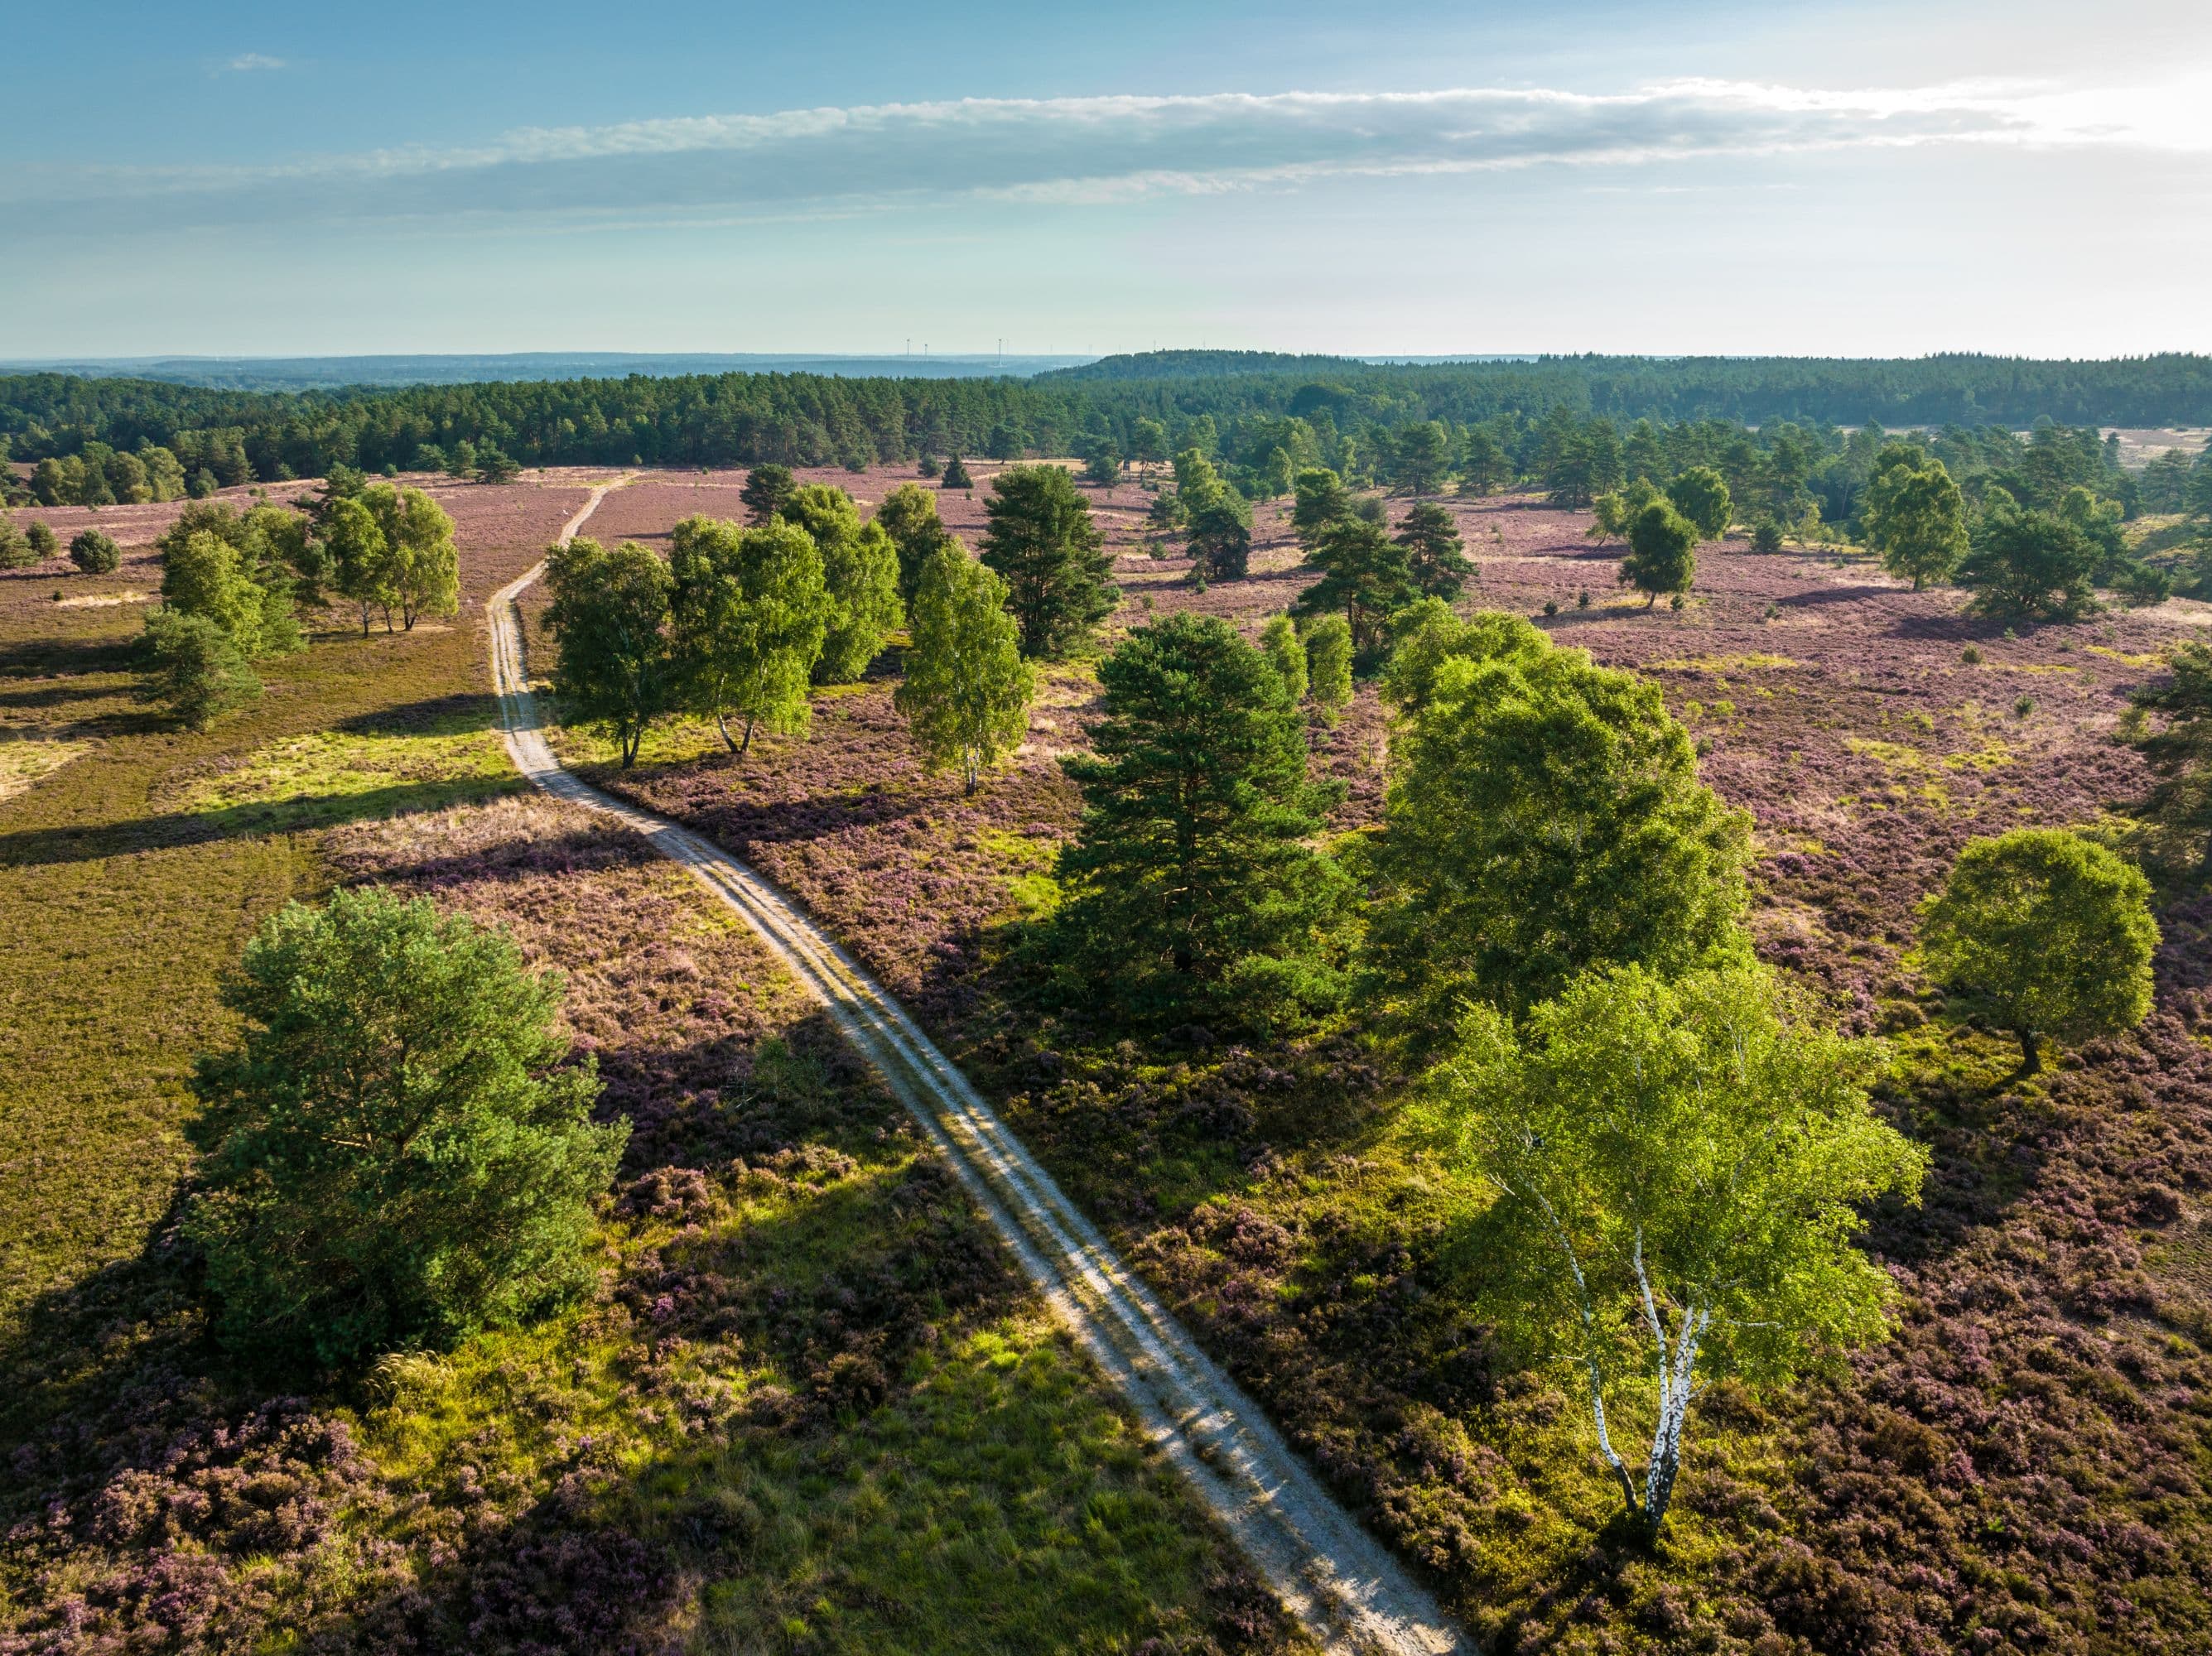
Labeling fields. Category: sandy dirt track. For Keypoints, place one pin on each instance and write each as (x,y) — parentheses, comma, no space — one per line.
(1348,1592)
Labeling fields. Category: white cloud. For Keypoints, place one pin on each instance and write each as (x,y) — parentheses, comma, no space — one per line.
(1117,148)
(253,60)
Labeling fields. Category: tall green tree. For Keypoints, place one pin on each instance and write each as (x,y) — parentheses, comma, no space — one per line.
(1366,577)
(1221,536)
(1701,494)
(423,571)
(1662,552)
(767,486)
(1436,559)
(1676,1171)
(909,515)
(396,1155)
(967,691)
(1915,516)
(1286,652)
(363,568)
(1543,816)
(1042,542)
(2178,751)
(1191,885)
(955,475)
(1328,663)
(614,666)
(1420,459)
(2050,931)
(94,553)
(748,610)
(2023,563)
(195,668)
(1319,499)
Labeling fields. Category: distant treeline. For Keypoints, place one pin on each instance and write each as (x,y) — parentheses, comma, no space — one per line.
(1131,405)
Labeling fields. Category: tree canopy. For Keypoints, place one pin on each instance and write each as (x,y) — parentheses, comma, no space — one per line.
(1662,552)
(1365,577)
(1043,542)
(2026,562)
(394,1155)
(613,665)
(1916,517)
(1677,1170)
(2048,929)
(748,610)
(967,690)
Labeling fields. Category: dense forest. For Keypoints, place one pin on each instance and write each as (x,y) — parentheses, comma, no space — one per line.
(1247,405)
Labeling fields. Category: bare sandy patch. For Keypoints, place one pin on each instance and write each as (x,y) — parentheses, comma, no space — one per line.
(105,600)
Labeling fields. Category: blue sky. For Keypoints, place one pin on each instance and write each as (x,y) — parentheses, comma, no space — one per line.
(1863,179)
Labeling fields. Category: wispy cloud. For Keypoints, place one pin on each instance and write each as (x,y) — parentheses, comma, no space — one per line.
(1107,148)
(246,61)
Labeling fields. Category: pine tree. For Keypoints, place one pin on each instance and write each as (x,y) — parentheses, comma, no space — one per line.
(767,487)
(1043,544)
(1435,557)
(1364,578)
(1662,555)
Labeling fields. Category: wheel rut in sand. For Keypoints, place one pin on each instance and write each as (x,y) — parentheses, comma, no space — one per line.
(1341,1584)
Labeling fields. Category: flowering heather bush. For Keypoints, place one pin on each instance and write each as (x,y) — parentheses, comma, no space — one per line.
(2020,1469)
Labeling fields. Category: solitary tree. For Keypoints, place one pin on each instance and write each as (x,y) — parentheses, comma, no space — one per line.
(1435,557)
(966,696)
(2052,931)
(1543,816)
(909,515)
(1364,577)
(747,611)
(1677,1171)
(1043,544)
(1701,494)
(1286,654)
(206,576)
(94,553)
(1662,555)
(423,569)
(394,1157)
(955,475)
(1191,883)
(1221,536)
(1328,663)
(41,539)
(1915,517)
(613,666)
(2028,563)
(767,487)
(15,551)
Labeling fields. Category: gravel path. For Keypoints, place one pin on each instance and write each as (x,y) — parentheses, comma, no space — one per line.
(1349,1593)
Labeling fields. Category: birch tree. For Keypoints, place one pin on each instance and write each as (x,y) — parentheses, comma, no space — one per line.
(967,692)
(748,611)
(1677,1171)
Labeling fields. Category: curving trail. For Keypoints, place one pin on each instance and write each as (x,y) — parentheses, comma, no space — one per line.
(1349,1593)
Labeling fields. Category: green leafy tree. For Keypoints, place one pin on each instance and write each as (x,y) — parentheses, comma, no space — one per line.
(363,570)
(1221,536)
(1042,542)
(1701,494)
(909,515)
(14,547)
(1915,516)
(767,487)
(1364,577)
(1191,885)
(196,669)
(967,691)
(423,569)
(1148,440)
(94,553)
(1103,466)
(748,610)
(1286,652)
(613,666)
(2023,563)
(955,475)
(206,576)
(1420,459)
(1319,499)
(1328,663)
(395,1156)
(41,539)
(1676,1170)
(1662,552)
(1543,816)
(860,569)
(2180,750)
(1436,559)
(2050,931)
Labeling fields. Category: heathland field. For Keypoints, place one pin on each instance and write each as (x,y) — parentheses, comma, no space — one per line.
(813,1406)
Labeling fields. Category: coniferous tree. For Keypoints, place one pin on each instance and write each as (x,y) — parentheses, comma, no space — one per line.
(909,515)
(2024,562)
(955,475)
(1420,459)
(1364,577)
(94,553)
(1662,552)
(1320,500)
(1436,559)
(1190,884)
(1043,542)
(767,486)
(967,690)
(1221,536)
